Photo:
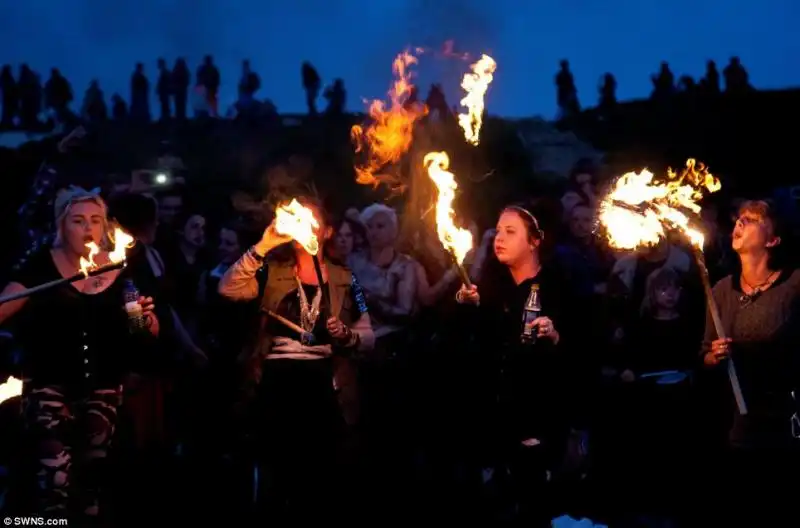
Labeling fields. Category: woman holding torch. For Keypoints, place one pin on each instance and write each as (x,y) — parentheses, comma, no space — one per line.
(76,347)
(299,420)
(521,306)
(759,308)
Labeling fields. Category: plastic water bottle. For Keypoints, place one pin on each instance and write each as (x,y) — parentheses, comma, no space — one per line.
(133,308)
(530,312)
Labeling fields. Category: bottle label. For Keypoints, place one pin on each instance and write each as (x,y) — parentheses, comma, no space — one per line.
(133,308)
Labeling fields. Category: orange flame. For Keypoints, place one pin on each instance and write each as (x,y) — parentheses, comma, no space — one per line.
(390,132)
(639,212)
(88,264)
(122,242)
(454,239)
(298,222)
(476,84)
(10,389)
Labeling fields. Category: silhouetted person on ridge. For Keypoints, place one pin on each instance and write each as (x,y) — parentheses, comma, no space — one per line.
(686,84)
(181,78)
(437,102)
(737,80)
(8,85)
(94,108)
(608,92)
(250,82)
(29,87)
(119,109)
(311,84)
(140,95)
(710,83)
(336,96)
(663,83)
(58,94)
(164,89)
(412,99)
(566,93)
(208,77)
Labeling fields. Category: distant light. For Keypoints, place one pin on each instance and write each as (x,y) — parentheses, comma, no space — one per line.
(161,179)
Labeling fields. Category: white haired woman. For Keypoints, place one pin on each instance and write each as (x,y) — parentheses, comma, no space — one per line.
(76,345)
(388,278)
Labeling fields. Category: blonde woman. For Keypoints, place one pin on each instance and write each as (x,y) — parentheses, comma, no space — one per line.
(76,345)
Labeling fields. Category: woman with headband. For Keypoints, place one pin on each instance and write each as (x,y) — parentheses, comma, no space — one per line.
(76,347)
(525,359)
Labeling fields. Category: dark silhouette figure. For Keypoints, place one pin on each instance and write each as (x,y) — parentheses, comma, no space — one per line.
(687,84)
(30,97)
(119,109)
(8,85)
(164,89)
(208,77)
(140,95)
(311,84)
(437,102)
(58,94)
(608,92)
(181,78)
(710,83)
(250,82)
(412,99)
(663,83)
(336,96)
(566,93)
(737,81)
(94,105)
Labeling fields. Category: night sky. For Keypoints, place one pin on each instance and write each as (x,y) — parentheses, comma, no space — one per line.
(357,39)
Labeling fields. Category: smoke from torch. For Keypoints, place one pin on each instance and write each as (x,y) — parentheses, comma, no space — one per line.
(389,134)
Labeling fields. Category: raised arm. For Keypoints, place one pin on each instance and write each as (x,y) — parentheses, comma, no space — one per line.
(240,283)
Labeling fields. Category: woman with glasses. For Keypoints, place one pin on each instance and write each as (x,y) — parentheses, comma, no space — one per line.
(77,345)
(760,311)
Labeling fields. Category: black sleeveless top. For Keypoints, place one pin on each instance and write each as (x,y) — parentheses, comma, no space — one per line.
(73,340)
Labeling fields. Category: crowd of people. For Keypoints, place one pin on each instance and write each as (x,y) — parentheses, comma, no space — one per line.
(391,390)
(737,81)
(25,101)
(23,97)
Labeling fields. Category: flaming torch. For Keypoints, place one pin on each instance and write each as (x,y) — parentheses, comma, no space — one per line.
(11,388)
(457,241)
(390,132)
(639,212)
(298,222)
(88,268)
(475,84)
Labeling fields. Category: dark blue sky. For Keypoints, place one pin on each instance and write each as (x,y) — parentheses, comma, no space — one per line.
(357,39)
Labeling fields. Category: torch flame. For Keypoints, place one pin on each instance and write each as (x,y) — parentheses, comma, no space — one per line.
(638,212)
(389,135)
(298,222)
(454,239)
(475,84)
(10,389)
(122,241)
(88,264)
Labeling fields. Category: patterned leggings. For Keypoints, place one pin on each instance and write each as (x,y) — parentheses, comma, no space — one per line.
(66,431)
